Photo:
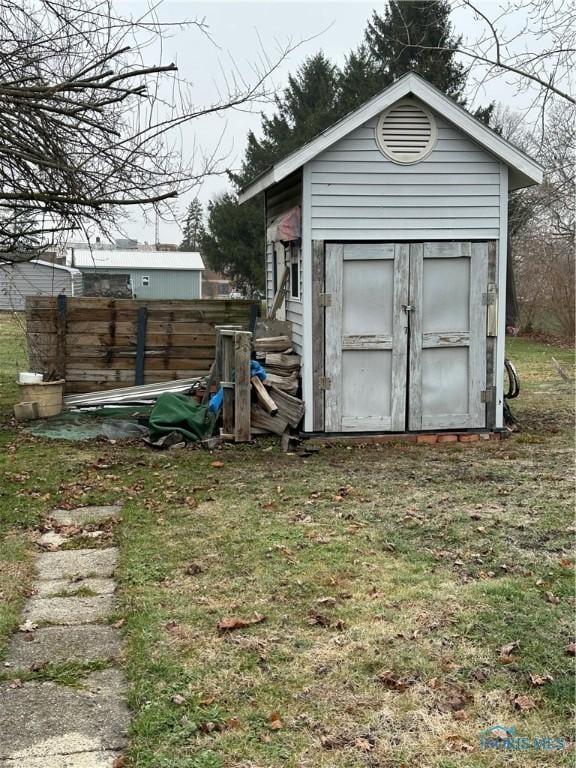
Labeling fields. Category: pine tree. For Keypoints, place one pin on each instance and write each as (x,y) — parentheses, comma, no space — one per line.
(408,38)
(234,242)
(193,227)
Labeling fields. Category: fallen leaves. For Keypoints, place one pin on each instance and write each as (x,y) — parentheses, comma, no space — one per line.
(230,623)
(274,722)
(119,762)
(523,703)
(538,680)
(506,652)
(193,569)
(28,626)
(550,597)
(217,464)
(570,649)
(391,680)
(315,618)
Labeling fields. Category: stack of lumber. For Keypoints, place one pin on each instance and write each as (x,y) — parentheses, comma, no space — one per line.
(276,408)
(281,364)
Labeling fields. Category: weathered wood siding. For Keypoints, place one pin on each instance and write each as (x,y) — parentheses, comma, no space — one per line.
(279,199)
(98,338)
(358,194)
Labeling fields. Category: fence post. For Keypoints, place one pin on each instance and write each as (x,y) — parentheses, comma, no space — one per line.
(61,323)
(242,350)
(141,344)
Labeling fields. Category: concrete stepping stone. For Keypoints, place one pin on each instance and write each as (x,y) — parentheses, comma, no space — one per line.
(84,515)
(68,610)
(67,587)
(89,642)
(75,760)
(77,562)
(42,720)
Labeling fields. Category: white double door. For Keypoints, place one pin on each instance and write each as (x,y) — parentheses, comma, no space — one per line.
(405,336)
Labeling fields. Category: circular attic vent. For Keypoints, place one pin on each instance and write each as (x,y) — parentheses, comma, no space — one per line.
(406,132)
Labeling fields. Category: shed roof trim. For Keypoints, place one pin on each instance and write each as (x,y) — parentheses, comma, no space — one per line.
(528,170)
(131,259)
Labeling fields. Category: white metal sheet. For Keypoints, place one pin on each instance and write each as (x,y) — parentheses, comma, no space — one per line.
(367,297)
(366,384)
(445,295)
(445,387)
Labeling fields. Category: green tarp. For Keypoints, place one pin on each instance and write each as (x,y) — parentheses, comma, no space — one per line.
(179,413)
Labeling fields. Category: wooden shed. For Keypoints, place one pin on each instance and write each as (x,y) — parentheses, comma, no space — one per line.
(392,224)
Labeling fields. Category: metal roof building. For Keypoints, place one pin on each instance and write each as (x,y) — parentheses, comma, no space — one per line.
(149,274)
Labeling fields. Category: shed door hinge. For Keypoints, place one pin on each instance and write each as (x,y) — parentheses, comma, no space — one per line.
(489,298)
(487,395)
(325,382)
(325,300)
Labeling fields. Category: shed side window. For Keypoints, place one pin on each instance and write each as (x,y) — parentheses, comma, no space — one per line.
(294,272)
(145,281)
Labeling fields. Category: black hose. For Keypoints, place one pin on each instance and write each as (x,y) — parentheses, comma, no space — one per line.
(513,380)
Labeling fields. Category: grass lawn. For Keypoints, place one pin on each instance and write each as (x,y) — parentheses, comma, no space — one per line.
(384,583)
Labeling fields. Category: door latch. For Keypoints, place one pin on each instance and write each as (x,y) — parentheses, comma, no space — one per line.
(408,307)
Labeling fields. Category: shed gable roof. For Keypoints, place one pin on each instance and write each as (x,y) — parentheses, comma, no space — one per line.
(524,170)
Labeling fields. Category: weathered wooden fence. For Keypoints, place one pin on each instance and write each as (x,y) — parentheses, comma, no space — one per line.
(101,343)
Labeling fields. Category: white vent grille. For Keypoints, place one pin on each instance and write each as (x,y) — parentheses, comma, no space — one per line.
(406,132)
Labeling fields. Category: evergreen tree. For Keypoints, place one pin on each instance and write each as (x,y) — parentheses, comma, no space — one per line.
(234,242)
(407,38)
(193,227)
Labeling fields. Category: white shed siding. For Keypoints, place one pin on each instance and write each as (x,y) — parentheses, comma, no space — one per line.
(358,194)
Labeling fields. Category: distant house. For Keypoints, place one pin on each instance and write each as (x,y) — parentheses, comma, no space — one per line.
(215,285)
(35,278)
(141,274)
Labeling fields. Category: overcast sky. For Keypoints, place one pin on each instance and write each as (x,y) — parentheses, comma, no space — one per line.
(238,31)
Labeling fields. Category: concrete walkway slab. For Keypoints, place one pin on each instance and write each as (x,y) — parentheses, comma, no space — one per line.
(90,642)
(45,719)
(84,515)
(75,760)
(77,562)
(67,587)
(68,610)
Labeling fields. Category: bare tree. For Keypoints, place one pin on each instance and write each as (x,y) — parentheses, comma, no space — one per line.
(533,42)
(87,124)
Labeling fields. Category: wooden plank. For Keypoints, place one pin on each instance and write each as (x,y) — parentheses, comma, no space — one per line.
(242,349)
(491,340)
(333,314)
(227,361)
(263,397)
(380,341)
(290,408)
(477,349)
(401,294)
(447,250)
(364,251)
(318,336)
(262,420)
(415,362)
(280,294)
(448,339)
